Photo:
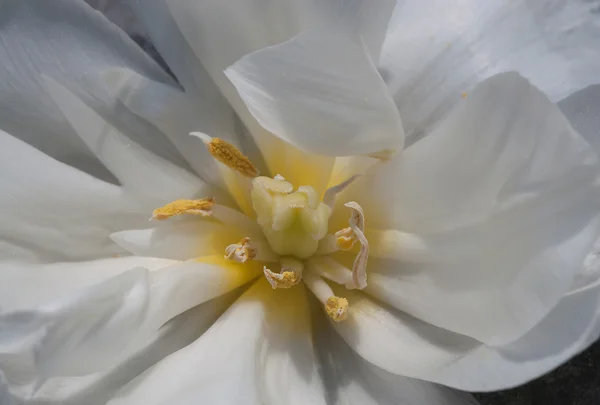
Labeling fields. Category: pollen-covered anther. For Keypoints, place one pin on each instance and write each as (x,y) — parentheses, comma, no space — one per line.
(337,308)
(200,207)
(241,252)
(345,239)
(228,154)
(285,279)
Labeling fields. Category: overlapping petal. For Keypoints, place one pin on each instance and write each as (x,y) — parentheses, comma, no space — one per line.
(500,232)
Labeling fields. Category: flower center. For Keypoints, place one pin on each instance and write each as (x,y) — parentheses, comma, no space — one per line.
(290,231)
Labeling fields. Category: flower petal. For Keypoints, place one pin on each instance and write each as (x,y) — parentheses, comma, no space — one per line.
(320,92)
(176,114)
(511,220)
(179,241)
(265,334)
(351,380)
(100,387)
(436,50)
(221,32)
(26,285)
(67,41)
(56,212)
(90,330)
(570,328)
(582,108)
(148,176)
(395,341)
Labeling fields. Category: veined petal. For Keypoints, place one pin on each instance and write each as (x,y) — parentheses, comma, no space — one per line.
(274,358)
(512,219)
(55,211)
(153,179)
(61,338)
(66,40)
(321,92)
(352,380)
(395,341)
(435,52)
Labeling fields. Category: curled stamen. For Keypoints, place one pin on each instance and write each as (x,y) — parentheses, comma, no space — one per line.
(357,227)
(201,207)
(228,154)
(241,252)
(335,307)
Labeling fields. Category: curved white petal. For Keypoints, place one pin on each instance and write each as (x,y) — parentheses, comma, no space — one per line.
(351,380)
(395,341)
(56,212)
(582,108)
(67,41)
(100,387)
(221,32)
(569,329)
(510,219)
(155,180)
(436,50)
(88,331)
(320,91)
(176,114)
(177,240)
(26,285)
(258,352)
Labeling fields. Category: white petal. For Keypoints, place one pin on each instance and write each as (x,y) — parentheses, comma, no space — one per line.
(258,352)
(176,114)
(569,329)
(137,169)
(582,108)
(25,285)
(436,50)
(221,32)
(98,388)
(68,41)
(54,211)
(90,330)
(320,92)
(510,219)
(179,241)
(395,341)
(351,380)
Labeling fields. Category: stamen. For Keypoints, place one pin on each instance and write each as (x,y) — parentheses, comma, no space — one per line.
(228,154)
(241,252)
(179,207)
(345,239)
(291,273)
(335,307)
(329,268)
(332,192)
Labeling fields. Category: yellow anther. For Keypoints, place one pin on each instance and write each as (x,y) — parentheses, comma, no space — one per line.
(241,252)
(179,207)
(345,239)
(231,157)
(337,308)
(285,279)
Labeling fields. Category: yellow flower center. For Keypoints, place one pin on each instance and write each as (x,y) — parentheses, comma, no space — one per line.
(289,232)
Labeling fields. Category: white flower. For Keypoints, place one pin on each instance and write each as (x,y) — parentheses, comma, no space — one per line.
(457,260)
